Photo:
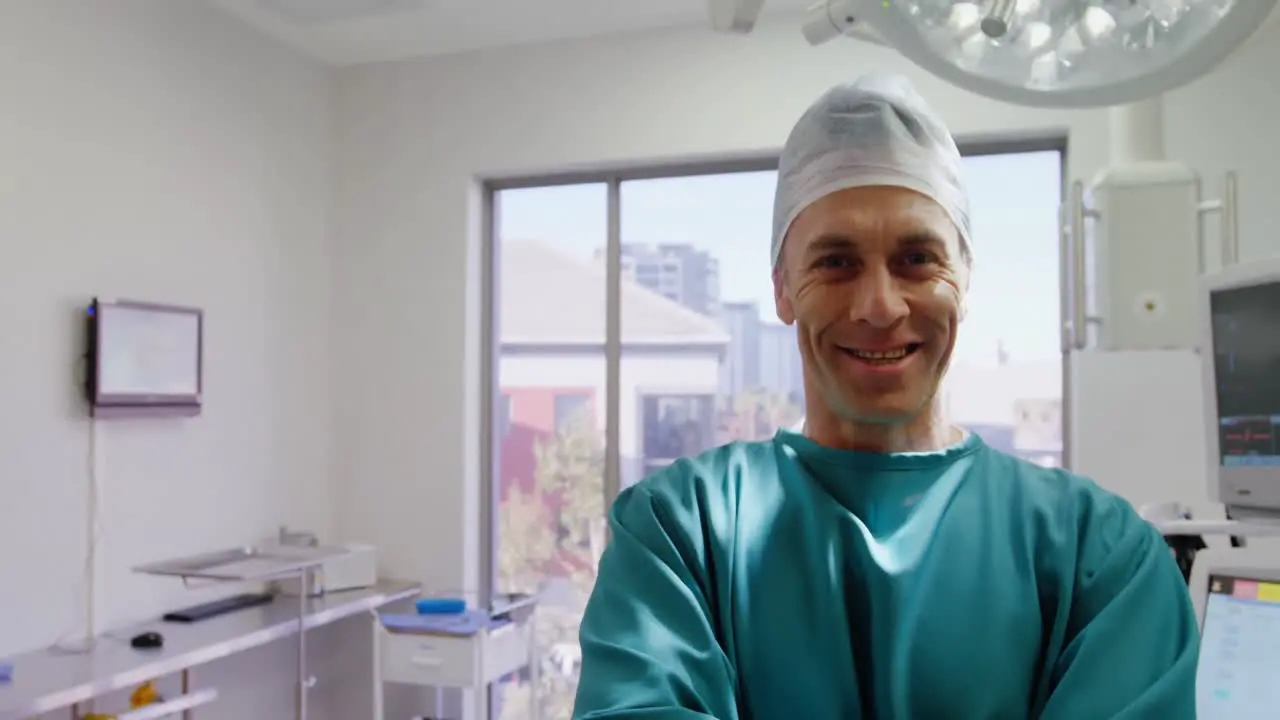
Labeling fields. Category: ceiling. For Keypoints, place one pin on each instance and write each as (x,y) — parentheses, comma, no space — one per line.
(346,32)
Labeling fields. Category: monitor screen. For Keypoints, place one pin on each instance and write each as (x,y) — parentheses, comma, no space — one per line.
(1246,348)
(146,351)
(1239,650)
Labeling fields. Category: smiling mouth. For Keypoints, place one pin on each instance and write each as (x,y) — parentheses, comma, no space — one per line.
(883,357)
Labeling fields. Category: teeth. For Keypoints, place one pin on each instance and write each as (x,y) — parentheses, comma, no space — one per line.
(881,355)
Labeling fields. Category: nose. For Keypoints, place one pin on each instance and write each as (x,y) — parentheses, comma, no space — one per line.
(879,300)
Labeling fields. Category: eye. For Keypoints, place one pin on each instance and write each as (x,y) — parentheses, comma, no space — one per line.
(918,257)
(832,262)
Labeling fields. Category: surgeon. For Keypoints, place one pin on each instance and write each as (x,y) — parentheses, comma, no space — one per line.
(883,563)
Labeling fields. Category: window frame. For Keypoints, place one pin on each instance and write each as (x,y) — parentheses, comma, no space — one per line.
(504,414)
(1052,140)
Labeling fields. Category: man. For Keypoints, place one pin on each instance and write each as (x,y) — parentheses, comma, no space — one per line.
(884,563)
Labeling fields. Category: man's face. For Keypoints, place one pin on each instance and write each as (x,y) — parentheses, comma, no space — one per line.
(874,280)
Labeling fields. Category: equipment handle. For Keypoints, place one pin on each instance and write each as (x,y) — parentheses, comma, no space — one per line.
(1230,224)
(1079,335)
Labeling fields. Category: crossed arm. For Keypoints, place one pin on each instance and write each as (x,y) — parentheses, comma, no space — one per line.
(650,651)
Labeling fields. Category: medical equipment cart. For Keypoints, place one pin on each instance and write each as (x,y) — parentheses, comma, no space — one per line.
(469,653)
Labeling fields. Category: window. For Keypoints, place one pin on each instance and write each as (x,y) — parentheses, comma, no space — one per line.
(727,368)
(701,359)
(1005,381)
(675,426)
(549,521)
(571,408)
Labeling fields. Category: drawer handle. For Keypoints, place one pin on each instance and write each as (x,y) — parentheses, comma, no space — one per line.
(426,661)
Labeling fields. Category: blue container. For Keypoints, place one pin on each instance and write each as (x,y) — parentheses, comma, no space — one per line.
(441,606)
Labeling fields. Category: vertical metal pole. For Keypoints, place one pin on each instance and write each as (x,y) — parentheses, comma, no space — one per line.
(1079,330)
(613,345)
(187,714)
(535,660)
(376,623)
(304,586)
(1230,222)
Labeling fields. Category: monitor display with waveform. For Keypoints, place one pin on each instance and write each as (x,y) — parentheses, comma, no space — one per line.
(1248,436)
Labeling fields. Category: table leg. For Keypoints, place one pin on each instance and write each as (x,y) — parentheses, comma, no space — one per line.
(303,588)
(377,665)
(188,714)
(535,673)
(482,700)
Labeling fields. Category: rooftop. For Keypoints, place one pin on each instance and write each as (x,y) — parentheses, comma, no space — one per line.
(549,297)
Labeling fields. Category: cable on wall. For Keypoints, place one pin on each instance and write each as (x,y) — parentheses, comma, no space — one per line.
(73,641)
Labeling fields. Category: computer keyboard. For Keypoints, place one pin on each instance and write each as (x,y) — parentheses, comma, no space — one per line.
(214,608)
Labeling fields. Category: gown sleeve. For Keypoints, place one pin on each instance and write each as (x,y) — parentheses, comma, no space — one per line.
(649,646)
(1132,638)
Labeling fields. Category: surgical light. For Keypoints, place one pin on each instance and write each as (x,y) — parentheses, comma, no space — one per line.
(1051,53)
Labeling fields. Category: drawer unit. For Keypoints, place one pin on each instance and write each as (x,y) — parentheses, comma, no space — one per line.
(458,662)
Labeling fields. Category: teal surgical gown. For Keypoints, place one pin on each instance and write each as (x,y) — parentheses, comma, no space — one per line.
(783,580)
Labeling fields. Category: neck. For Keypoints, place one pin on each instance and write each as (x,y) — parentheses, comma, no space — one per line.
(930,430)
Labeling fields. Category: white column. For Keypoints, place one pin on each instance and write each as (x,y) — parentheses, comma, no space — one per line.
(1137,132)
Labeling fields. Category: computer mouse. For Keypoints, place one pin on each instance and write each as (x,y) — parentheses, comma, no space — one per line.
(147,640)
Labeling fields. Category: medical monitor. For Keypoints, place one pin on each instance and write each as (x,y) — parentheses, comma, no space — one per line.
(1241,357)
(143,359)
(1237,594)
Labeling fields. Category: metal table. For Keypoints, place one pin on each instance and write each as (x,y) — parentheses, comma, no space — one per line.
(46,680)
(258,563)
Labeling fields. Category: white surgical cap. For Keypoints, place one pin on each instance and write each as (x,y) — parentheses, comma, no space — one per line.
(874,131)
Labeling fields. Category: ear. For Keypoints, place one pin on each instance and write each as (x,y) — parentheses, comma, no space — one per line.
(781,301)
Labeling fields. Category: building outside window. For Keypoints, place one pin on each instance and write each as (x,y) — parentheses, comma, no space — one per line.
(569,408)
(676,426)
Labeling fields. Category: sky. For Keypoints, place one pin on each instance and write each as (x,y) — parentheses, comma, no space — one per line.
(1014,292)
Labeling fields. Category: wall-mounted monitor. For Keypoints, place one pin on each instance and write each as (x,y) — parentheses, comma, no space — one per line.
(144,358)
(1241,355)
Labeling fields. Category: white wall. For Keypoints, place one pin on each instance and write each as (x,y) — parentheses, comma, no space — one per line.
(683,374)
(157,150)
(413,136)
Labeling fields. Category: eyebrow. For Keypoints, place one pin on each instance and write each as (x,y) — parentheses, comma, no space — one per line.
(921,239)
(830,242)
